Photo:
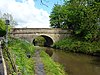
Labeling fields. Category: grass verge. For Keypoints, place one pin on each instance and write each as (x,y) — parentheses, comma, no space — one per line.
(51,67)
(18,52)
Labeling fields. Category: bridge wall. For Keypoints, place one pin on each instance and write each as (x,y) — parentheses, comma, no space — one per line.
(31,33)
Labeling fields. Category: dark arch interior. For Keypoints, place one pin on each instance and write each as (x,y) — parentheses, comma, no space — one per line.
(48,42)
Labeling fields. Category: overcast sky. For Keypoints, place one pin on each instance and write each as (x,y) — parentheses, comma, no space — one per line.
(29,13)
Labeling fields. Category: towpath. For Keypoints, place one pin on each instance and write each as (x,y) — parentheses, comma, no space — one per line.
(39,67)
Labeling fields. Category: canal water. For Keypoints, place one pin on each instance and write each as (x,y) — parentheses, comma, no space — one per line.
(77,64)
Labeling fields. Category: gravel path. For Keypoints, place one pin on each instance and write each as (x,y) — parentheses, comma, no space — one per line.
(39,67)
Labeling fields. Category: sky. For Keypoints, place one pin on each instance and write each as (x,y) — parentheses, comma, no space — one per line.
(29,13)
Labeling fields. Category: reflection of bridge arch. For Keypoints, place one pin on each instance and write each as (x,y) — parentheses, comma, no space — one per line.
(49,40)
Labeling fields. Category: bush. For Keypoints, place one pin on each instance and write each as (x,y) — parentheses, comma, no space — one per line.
(75,45)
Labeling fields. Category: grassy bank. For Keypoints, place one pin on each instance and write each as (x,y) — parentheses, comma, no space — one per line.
(51,67)
(18,52)
(75,45)
(19,59)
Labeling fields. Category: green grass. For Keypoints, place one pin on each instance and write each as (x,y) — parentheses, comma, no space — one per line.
(18,50)
(51,67)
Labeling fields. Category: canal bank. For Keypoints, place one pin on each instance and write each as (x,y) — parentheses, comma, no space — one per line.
(20,59)
(76,45)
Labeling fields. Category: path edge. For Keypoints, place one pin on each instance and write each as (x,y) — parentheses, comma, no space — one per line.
(4,65)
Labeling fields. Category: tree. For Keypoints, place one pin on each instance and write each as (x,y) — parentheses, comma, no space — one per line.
(81,16)
(10,18)
(85,19)
(57,17)
(2,28)
(3,17)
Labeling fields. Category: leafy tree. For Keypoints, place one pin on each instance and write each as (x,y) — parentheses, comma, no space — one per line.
(81,16)
(57,17)
(85,20)
(2,28)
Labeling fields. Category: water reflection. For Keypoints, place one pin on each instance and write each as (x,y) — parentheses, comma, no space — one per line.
(96,61)
(49,51)
(77,64)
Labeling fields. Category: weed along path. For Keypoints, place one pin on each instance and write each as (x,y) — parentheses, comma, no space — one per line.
(39,67)
(1,64)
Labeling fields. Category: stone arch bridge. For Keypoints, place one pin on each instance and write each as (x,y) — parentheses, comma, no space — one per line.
(51,35)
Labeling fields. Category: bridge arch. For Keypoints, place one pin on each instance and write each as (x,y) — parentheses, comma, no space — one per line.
(48,40)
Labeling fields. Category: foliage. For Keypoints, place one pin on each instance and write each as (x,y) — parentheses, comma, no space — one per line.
(2,28)
(8,16)
(19,50)
(51,67)
(75,45)
(40,41)
(81,16)
(2,23)
(57,17)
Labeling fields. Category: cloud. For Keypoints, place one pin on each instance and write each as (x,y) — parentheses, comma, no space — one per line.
(25,13)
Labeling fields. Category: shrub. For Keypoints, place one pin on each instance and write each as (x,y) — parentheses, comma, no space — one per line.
(75,45)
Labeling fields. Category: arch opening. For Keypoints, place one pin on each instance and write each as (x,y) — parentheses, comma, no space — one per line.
(47,42)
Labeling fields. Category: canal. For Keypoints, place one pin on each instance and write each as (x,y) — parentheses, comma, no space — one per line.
(77,64)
